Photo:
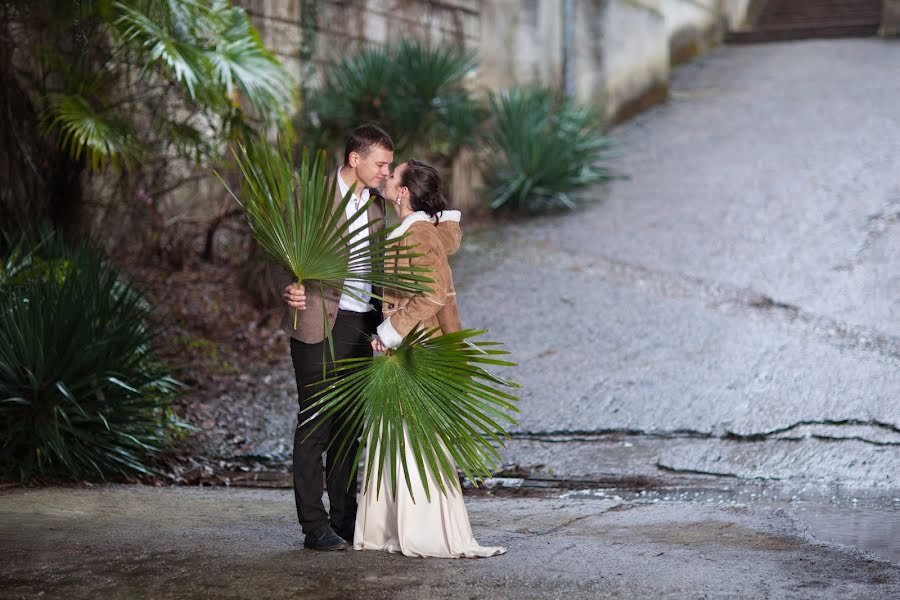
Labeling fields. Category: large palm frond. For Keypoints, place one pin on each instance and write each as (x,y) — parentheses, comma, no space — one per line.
(212,49)
(429,391)
(172,46)
(82,129)
(240,60)
(294,218)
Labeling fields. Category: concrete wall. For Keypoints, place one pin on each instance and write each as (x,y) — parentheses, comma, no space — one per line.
(692,26)
(621,50)
(890,18)
(307,33)
(619,58)
(521,42)
(636,57)
(736,12)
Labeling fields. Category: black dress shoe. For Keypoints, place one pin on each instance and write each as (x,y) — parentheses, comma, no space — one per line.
(347,534)
(325,540)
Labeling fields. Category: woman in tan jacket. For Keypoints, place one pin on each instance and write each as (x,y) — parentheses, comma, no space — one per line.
(439,527)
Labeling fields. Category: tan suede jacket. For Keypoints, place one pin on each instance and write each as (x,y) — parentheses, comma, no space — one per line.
(435,241)
(311,322)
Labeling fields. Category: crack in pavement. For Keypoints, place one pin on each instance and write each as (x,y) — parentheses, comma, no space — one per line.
(876,226)
(842,422)
(683,471)
(592,435)
(562,526)
(599,435)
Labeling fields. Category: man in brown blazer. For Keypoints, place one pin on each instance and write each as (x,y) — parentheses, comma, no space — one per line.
(367,161)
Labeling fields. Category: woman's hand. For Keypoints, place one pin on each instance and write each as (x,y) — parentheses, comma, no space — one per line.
(377,345)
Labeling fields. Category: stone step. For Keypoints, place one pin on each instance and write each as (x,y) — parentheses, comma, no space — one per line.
(781,20)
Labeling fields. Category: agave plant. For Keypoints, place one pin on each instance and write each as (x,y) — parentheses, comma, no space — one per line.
(431,391)
(294,218)
(80,393)
(543,151)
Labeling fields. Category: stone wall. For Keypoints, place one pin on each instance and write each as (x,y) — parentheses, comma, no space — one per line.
(890,18)
(307,33)
(620,50)
(616,54)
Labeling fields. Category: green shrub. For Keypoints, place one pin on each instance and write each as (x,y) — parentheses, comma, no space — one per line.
(416,92)
(541,150)
(80,393)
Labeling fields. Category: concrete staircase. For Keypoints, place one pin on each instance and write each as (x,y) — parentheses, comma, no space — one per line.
(778,20)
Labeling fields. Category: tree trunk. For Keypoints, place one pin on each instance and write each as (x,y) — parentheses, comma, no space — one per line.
(65,194)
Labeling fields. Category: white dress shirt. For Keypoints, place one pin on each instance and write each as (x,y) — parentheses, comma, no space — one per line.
(362,289)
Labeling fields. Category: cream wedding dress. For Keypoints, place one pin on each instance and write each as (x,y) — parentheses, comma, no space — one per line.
(439,528)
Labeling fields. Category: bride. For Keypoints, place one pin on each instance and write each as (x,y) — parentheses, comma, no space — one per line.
(439,527)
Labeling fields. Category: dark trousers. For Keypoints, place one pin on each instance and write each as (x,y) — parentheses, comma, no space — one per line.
(352,336)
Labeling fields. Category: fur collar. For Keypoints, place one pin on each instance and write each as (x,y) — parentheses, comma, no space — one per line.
(443,216)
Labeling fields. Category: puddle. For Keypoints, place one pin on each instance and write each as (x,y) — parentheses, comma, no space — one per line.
(877,531)
(865,519)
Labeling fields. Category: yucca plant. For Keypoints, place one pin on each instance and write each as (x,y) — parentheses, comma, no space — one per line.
(432,391)
(543,151)
(81,395)
(294,218)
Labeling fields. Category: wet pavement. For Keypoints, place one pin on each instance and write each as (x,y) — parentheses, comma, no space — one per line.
(179,542)
(738,294)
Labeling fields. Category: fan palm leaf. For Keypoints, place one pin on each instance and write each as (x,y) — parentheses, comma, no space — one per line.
(210,49)
(240,60)
(294,218)
(162,43)
(83,130)
(430,393)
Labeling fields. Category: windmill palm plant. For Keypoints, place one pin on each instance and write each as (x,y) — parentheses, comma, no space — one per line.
(430,395)
(543,150)
(155,88)
(209,49)
(415,91)
(294,218)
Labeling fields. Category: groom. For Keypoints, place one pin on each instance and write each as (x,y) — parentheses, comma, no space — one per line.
(367,161)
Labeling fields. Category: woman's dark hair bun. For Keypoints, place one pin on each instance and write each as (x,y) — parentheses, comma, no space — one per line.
(424,184)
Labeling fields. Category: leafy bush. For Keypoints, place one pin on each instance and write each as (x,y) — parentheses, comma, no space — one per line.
(542,150)
(417,93)
(154,87)
(80,393)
